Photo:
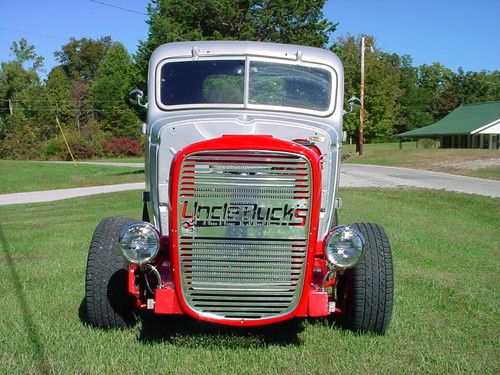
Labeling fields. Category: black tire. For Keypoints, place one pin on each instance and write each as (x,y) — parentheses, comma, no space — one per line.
(108,303)
(145,213)
(367,291)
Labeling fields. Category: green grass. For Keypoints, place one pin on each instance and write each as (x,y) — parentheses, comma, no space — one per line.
(441,160)
(446,319)
(490,173)
(124,159)
(21,176)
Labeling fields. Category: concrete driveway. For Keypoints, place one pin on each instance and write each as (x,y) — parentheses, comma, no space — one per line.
(360,175)
(352,175)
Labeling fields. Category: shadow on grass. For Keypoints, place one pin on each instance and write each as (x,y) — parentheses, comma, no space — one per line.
(139,171)
(191,333)
(27,316)
(82,311)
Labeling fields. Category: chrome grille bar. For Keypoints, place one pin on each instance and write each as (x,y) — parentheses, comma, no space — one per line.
(243,232)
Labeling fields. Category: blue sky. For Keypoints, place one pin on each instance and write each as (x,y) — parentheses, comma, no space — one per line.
(453,32)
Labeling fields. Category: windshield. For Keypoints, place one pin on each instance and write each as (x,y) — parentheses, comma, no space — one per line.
(270,84)
(288,85)
(203,82)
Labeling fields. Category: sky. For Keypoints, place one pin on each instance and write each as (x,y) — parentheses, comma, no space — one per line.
(456,33)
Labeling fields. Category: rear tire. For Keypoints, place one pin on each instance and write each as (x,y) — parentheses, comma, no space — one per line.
(108,303)
(368,289)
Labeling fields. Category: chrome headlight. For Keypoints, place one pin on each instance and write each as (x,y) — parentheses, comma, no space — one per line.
(139,242)
(344,247)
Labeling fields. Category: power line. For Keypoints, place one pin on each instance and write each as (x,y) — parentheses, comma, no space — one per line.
(31,33)
(117,7)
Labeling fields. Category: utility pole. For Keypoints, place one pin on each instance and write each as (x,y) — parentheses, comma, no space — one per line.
(362,99)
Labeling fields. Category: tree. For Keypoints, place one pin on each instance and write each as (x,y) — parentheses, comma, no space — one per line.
(24,108)
(437,80)
(80,58)
(58,91)
(292,21)
(109,93)
(13,80)
(25,53)
(348,50)
(381,87)
(414,100)
(475,87)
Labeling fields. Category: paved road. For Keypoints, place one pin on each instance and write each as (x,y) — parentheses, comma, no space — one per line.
(55,195)
(359,175)
(352,175)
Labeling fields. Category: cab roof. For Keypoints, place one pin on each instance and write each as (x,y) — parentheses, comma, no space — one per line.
(203,49)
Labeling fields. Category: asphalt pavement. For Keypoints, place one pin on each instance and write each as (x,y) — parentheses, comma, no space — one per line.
(360,175)
(352,175)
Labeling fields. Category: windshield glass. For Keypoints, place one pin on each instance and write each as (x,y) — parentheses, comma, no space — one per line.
(288,85)
(203,82)
(212,82)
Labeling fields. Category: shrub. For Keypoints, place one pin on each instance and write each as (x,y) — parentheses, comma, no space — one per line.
(122,146)
(80,147)
(427,143)
(22,144)
(345,156)
(52,148)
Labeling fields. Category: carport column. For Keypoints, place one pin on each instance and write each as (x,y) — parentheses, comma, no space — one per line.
(469,141)
(481,136)
(491,142)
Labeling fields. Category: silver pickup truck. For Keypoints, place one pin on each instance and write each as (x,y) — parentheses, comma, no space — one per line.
(239,224)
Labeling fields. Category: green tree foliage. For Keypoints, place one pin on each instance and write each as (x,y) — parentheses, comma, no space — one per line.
(25,55)
(382,93)
(437,81)
(109,93)
(413,101)
(22,103)
(474,87)
(80,58)
(281,21)
(58,91)
(399,96)
(88,91)
(291,21)
(382,87)
(13,80)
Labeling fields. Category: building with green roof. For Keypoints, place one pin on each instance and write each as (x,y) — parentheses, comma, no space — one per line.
(468,126)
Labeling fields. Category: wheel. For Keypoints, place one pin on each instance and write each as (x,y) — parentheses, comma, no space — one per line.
(366,292)
(108,303)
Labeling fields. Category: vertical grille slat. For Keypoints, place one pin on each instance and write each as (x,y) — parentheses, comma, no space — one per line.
(243,232)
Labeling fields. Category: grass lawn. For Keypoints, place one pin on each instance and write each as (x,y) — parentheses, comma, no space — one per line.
(446,317)
(125,159)
(442,160)
(20,176)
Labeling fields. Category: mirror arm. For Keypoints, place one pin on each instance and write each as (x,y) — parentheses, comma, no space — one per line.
(344,112)
(353,100)
(141,104)
(135,96)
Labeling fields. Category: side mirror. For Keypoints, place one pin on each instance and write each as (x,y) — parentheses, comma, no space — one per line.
(352,101)
(135,96)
